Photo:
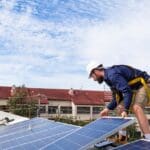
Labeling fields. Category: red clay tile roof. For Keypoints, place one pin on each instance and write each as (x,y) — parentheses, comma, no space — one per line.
(88,97)
(4,92)
(79,97)
(52,94)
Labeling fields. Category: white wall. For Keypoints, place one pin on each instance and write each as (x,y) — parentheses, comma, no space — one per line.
(3,102)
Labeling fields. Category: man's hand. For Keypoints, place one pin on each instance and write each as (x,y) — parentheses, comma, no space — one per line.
(124,114)
(104,112)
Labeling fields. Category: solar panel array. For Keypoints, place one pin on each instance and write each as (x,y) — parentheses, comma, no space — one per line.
(39,133)
(33,134)
(139,145)
(89,134)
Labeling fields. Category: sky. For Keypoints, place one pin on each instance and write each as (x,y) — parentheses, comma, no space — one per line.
(48,43)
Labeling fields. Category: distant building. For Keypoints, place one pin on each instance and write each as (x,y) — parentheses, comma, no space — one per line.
(78,104)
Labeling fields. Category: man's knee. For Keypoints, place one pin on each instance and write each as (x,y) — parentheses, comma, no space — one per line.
(137,108)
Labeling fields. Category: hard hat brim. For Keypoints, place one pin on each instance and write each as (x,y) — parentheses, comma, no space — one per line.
(92,71)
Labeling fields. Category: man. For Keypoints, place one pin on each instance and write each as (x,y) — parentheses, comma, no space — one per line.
(117,78)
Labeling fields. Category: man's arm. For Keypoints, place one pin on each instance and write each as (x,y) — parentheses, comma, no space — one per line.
(122,85)
(110,106)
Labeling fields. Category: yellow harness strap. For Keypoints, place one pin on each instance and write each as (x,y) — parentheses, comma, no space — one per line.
(134,81)
(142,81)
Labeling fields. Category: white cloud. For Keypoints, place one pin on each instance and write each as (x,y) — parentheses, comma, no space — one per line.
(118,42)
(47,53)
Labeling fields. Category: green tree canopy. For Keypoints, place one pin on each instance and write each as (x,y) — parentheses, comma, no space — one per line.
(22,102)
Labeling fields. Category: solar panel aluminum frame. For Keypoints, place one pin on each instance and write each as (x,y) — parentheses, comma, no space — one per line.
(91,144)
(116,148)
(68,124)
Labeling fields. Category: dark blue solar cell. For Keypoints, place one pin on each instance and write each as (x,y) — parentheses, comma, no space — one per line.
(4,145)
(40,133)
(67,144)
(75,138)
(29,146)
(44,129)
(139,145)
(42,142)
(23,125)
(54,147)
(91,133)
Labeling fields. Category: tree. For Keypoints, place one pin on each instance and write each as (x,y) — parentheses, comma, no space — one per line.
(22,102)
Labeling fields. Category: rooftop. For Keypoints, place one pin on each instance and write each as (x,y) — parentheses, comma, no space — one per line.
(79,97)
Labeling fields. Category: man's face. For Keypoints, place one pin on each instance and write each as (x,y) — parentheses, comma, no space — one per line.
(94,76)
(98,76)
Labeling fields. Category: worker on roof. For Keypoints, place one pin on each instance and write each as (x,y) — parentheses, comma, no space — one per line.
(117,78)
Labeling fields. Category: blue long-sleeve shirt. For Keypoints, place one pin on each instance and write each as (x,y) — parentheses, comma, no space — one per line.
(117,77)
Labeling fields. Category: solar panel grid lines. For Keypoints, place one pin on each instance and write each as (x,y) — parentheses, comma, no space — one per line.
(58,139)
(46,134)
(36,145)
(42,133)
(21,125)
(66,139)
(91,133)
(21,135)
(106,133)
(34,123)
(124,123)
(9,127)
(38,140)
(39,128)
(21,130)
(51,140)
(141,144)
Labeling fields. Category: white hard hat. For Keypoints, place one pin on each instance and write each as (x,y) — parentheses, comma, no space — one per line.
(93,65)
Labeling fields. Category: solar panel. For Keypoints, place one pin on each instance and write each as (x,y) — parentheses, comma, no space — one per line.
(139,145)
(90,134)
(22,125)
(33,134)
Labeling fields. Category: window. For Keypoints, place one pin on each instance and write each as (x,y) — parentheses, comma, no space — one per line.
(42,109)
(96,110)
(52,109)
(83,110)
(66,110)
(4,107)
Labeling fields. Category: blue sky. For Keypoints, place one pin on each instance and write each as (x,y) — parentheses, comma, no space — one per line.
(48,43)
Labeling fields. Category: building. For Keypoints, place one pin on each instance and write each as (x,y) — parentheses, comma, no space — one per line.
(77,104)
(69,103)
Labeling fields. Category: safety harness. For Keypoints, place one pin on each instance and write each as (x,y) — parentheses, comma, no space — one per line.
(133,82)
(142,81)
(136,80)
